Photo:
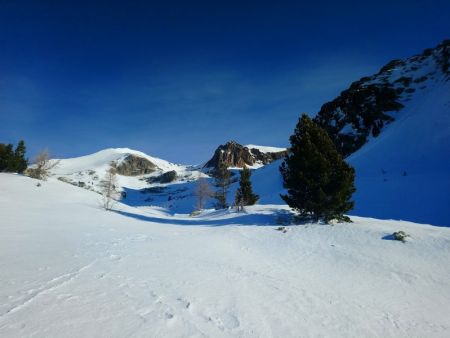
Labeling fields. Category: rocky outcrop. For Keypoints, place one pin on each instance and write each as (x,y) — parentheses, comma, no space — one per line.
(166,177)
(233,154)
(133,165)
(371,103)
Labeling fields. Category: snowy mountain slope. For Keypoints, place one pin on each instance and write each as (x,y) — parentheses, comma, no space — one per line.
(405,172)
(175,197)
(88,171)
(70,269)
(364,109)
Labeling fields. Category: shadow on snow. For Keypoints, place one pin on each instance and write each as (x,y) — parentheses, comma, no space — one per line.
(253,219)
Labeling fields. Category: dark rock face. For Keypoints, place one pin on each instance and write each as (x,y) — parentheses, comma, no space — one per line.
(134,166)
(167,177)
(233,154)
(358,112)
(370,103)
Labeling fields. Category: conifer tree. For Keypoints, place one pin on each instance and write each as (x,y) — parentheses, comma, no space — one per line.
(222,182)
(319,182)
(2,157)
(6,158)
(20,162)
(244,194)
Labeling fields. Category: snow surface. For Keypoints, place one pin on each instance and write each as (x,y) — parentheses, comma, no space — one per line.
(265,149)
(405,172)
(71,269)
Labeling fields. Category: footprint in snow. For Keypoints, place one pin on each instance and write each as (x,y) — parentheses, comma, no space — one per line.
(115,257)
(227,321)
(184,303)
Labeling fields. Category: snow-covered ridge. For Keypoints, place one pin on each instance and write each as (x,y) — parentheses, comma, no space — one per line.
(102,159)
(88,171)
(265,149)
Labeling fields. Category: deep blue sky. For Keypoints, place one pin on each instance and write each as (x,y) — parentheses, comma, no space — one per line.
(177,78)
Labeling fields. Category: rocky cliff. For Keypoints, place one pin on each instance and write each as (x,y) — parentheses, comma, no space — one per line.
(233,154)
(369,104)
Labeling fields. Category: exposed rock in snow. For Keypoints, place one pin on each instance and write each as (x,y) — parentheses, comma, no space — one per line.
(133,165)
(235,155)
(363,110)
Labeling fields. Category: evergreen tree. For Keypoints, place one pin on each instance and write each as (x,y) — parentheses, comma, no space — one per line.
(6,158)
(244,194)
(319,182)
(20,162)
(2,157)
(222,182)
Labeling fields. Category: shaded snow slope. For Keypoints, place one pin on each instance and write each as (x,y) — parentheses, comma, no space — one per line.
(405,172)
(70,269)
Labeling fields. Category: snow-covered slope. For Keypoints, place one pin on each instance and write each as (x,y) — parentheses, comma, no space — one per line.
(265,149)
(88,171)
(71,269)
(100,161)
(405,172)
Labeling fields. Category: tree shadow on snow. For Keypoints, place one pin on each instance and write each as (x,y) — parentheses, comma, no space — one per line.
(253,219)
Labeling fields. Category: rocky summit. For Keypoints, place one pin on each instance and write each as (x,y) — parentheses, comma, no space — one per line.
(233,154)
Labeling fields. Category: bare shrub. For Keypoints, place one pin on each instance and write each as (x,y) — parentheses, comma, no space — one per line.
(42,165)
(108,187)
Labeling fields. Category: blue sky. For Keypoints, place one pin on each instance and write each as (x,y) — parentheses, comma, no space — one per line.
(177,78)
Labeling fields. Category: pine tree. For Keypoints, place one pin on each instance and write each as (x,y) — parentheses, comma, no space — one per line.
(244,194)
(319,182)
(2,157)
(6,158)
(222,182)
(20,162)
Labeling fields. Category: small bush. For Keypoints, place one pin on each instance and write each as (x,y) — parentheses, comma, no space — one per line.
(400,236)
(282,229)
(195,213)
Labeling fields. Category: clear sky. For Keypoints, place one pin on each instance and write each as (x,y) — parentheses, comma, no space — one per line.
(177,78)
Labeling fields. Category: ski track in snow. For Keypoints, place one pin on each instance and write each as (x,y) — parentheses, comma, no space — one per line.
(49,286)
(70,269)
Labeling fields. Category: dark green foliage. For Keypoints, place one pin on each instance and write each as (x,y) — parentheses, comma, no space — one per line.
(222,182)
(400,236)
(244,194)
(13,161)
(21,163)
(319,182)
(6,157)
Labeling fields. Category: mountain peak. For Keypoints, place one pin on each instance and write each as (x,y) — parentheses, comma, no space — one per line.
(369,104)
(235,155)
